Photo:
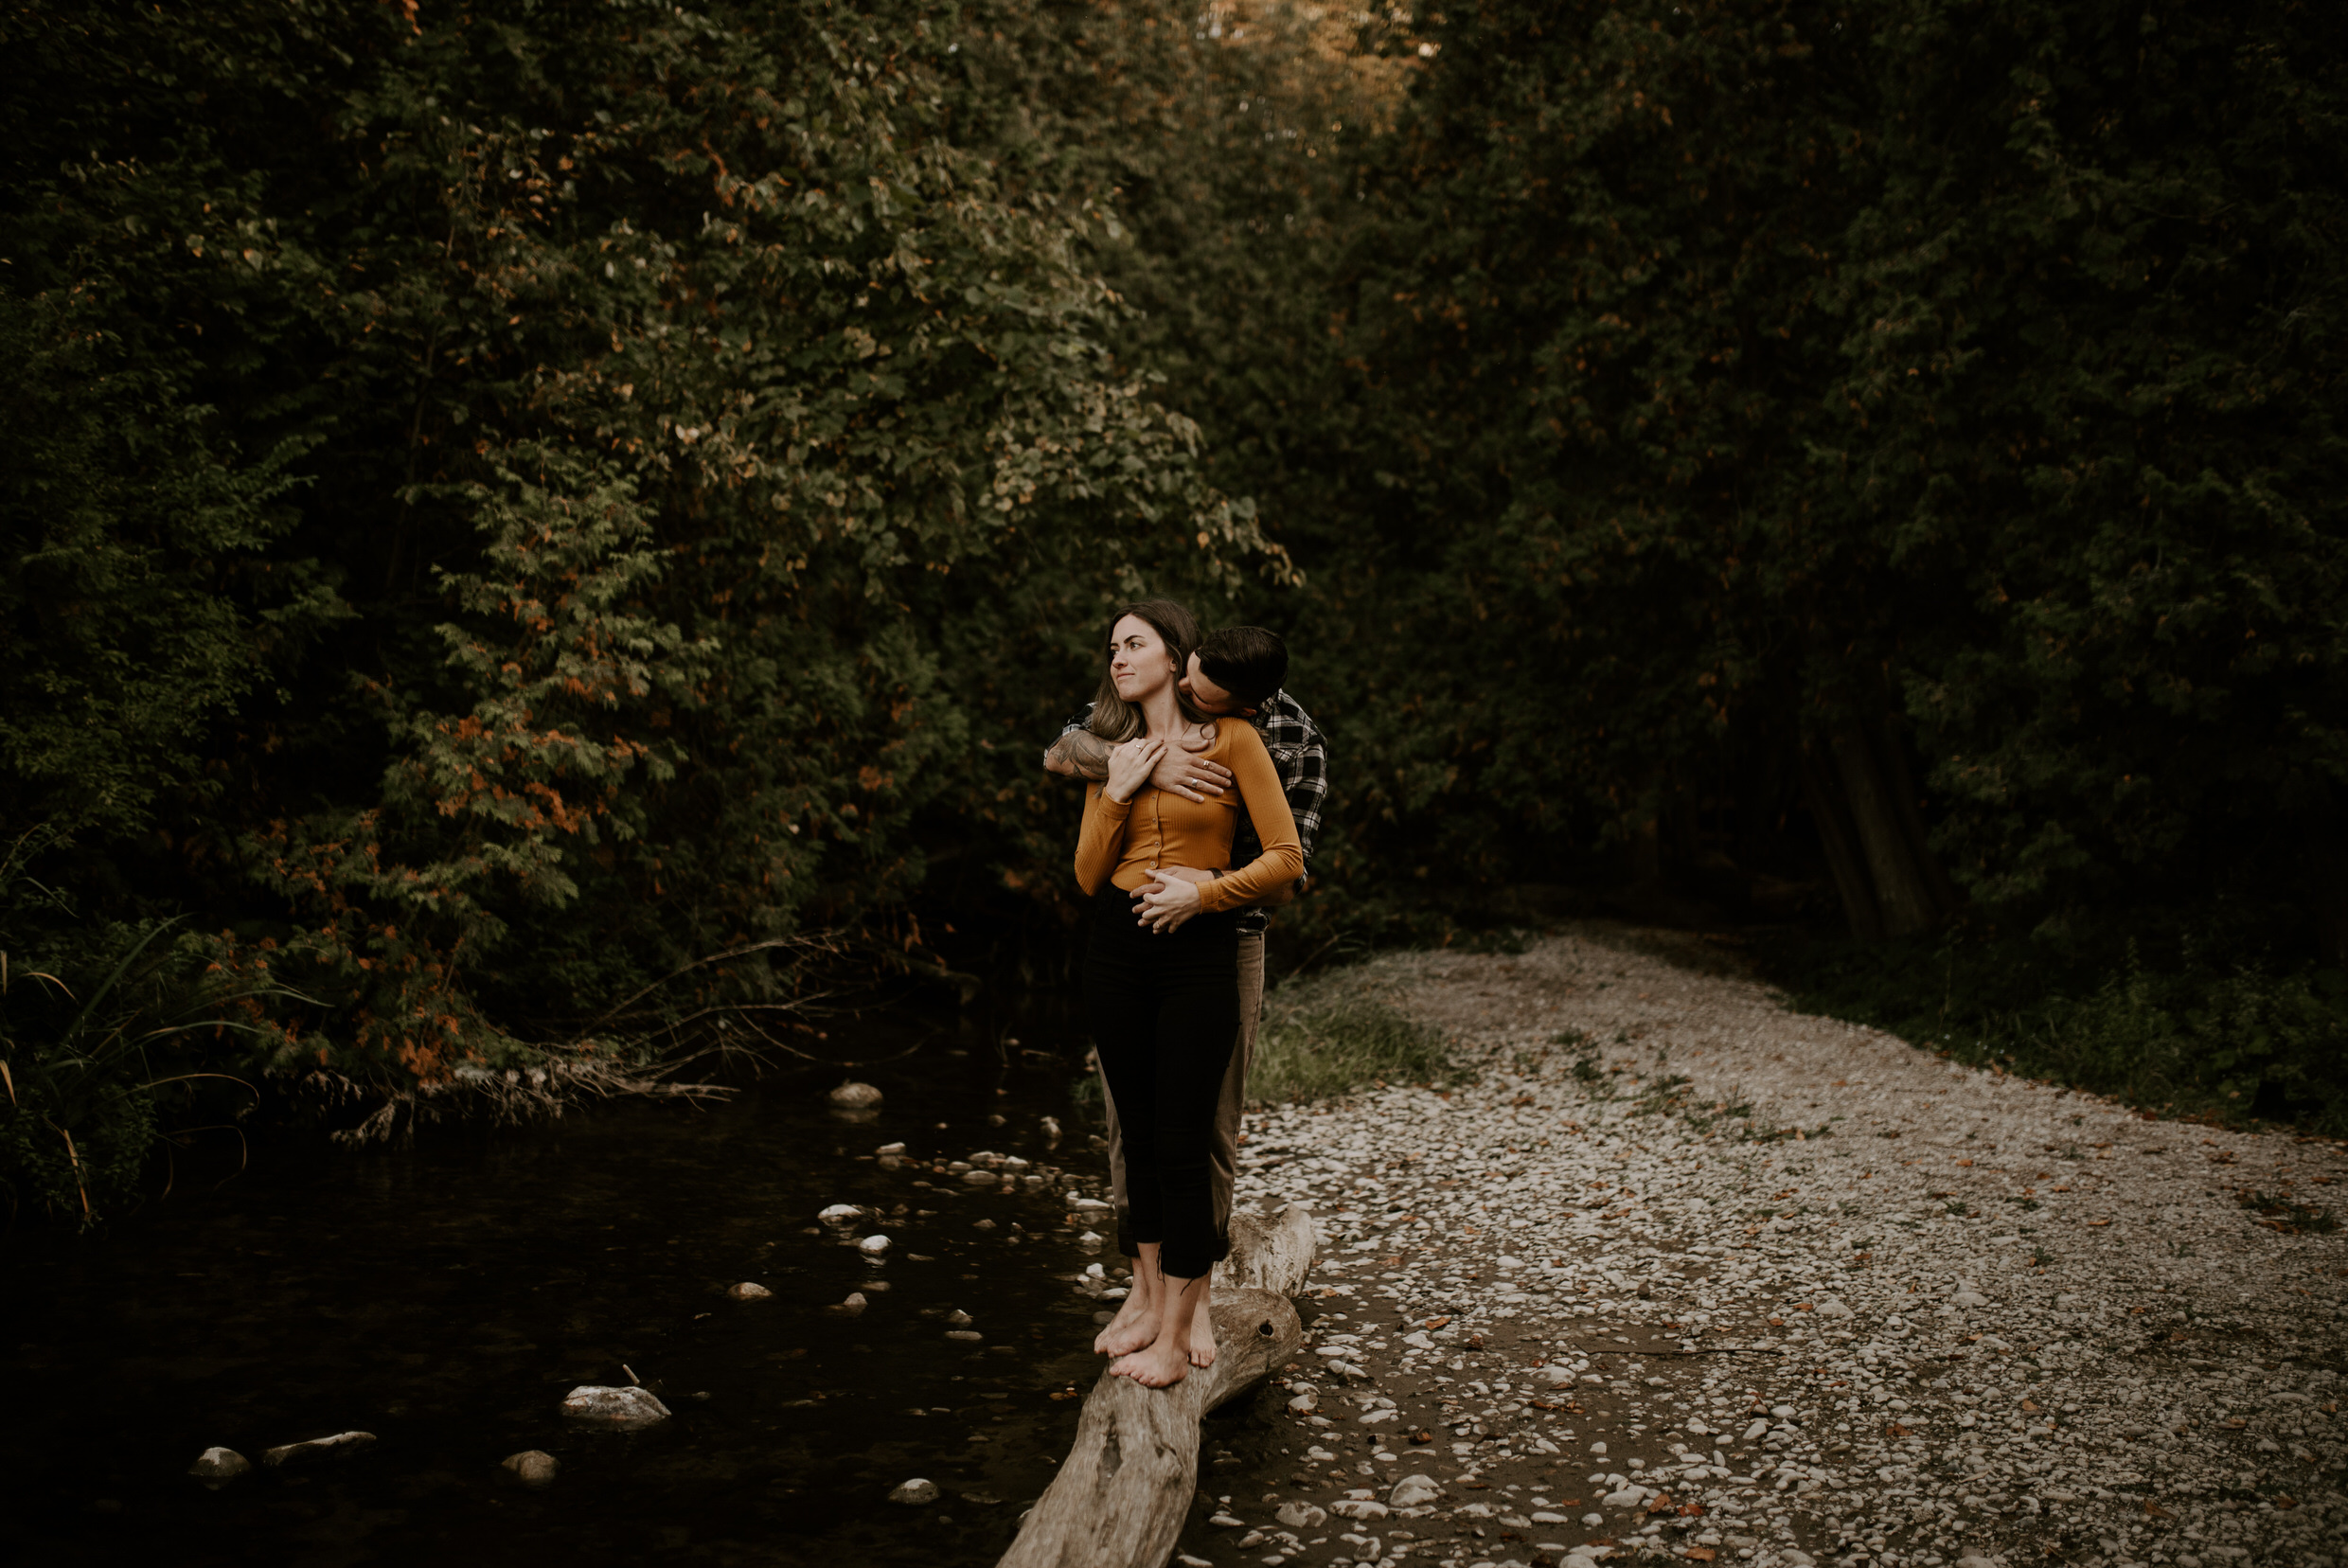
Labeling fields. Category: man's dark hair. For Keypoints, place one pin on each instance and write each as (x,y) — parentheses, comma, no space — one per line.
(1246,661)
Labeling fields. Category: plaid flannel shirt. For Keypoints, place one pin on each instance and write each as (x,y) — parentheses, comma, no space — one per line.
(1303,762)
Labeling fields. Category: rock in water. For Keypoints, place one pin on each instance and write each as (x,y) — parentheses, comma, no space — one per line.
(217,1467)
(1412,1490)
(614,1409)
(873,1246)
(1051,1129)
(855,1097)
(533,1466)
(838,1214)
(916,1490)
(748,1291)
(850,1307)
(317,1448)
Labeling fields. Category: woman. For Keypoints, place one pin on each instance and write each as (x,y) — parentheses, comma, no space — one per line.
(1164,1002)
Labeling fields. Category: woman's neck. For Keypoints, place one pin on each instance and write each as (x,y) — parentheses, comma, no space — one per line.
(1162,712)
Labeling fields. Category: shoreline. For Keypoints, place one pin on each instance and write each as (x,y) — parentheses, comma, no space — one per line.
(1718,1282)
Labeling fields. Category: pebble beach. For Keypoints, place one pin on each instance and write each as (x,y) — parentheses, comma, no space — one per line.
(1677,1273)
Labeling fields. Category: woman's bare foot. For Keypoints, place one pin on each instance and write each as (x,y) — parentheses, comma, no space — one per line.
(1160,1366)
(1203,1333)
(1134,1328)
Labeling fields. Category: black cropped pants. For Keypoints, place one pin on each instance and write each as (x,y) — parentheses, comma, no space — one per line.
(1165,1011)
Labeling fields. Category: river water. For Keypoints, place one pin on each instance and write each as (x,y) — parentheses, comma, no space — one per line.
(447,1297)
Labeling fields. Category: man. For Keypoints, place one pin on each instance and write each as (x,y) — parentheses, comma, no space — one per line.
(1236,673)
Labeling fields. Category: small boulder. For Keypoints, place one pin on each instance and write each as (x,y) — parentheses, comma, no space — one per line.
(1833,1308)
(873,1246)
(840,1214)
(614,1409)
(317,1448)
(855,1097)
(1413,1491)
(916,1490)
(958,1318)
(533,1466)
(1302,1516)
(749,1291)
(851,1307)
(1051,1129)
(217,1467)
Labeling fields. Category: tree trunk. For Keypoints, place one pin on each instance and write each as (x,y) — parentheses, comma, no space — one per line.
(1120,1499)
(1905,796)
(2327,890)
(1843,857)
(1900,883)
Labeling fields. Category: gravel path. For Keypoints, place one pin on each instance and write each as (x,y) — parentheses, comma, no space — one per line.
(1687,1273)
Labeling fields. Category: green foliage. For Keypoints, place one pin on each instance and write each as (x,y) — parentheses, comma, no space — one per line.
(105,1031)
(499,505)
(2198,1023)
(1323,1036)
(682,459)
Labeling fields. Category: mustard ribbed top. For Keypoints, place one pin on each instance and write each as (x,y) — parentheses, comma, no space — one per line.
(1121,844)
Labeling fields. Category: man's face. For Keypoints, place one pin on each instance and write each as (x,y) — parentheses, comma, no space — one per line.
(1210,698)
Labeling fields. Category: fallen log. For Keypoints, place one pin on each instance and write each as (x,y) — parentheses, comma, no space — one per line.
(1120,1499)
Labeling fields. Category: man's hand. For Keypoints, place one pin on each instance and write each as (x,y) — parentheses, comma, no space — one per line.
(1170,898)
(1159,877)
(1079,754)
(1192,777)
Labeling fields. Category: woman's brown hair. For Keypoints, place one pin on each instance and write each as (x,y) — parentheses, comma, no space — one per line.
(1116,720)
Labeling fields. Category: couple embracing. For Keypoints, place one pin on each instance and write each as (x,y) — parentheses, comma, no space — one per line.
(1205,792)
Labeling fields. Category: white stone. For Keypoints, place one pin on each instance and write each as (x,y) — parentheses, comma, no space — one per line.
(1412,1491)
(839,1213)
(533,1468)
(855,1097)
(217,1467)
(1302,1516)
(917,1490)
(614,1409)
(873,1246)
(317,1448)
(746,1291)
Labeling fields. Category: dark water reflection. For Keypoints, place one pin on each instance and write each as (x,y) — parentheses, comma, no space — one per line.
(445,1298)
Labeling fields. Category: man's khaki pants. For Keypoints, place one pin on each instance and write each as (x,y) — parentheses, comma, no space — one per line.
(1223,1155)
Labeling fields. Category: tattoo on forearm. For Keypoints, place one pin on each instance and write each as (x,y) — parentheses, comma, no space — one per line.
(1083,751)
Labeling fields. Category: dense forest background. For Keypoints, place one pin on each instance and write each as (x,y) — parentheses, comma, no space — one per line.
(532,529)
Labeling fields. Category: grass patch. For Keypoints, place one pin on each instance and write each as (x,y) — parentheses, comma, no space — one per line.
(1327,1034)
(2206,1027)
